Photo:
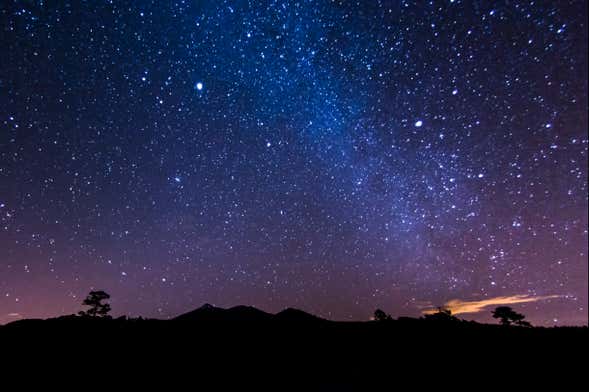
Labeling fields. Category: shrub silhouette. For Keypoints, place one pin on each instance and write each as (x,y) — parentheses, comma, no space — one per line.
(507,316)
(380,315)
(97,308)
(443,314)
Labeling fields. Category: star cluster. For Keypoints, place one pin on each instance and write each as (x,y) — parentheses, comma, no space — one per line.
(334,156)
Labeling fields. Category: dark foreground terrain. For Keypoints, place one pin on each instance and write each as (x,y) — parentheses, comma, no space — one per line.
(246,348)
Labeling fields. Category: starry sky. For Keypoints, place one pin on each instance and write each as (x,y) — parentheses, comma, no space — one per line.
(334,156)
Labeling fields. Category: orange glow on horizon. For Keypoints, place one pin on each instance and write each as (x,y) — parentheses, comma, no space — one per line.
(458,306)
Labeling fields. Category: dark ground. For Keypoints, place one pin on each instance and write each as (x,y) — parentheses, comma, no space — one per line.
(244,348)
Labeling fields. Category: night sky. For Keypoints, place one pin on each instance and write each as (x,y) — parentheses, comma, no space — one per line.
(333,156)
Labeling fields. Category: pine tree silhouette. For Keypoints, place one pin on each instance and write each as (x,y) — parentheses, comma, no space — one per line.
(97,308)
(507,316)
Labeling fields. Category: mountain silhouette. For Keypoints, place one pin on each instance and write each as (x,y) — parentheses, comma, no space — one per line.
(291,315)
(210,313)
(246,314)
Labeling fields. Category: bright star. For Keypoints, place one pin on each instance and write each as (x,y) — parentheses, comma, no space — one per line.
(418,123)
(199,86)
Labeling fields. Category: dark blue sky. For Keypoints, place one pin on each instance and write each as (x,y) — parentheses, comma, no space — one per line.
(332,156)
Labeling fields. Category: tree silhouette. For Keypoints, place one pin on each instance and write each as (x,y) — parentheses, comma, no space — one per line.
(380,315)
(507,316)
(443,314)
(97,308)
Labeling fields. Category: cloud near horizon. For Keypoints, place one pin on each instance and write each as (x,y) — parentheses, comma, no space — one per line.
(458,306)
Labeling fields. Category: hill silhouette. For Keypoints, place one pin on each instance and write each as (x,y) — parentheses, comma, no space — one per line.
(210,313)
(297,316)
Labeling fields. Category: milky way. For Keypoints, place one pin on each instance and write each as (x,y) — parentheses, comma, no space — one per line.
(333,156)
